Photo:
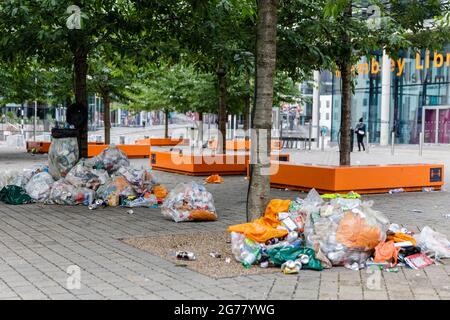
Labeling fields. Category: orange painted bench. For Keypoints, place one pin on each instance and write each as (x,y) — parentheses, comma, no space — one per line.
(361,179)
(203,165)
(132,151)
(162,142)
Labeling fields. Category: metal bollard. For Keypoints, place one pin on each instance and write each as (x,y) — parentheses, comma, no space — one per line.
(392,143)
(421,140)
(323,142)
(368,143)
(310,135)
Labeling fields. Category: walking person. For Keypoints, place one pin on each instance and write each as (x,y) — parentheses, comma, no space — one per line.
(360,131)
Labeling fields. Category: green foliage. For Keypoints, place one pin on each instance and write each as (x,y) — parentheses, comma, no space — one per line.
(173,88)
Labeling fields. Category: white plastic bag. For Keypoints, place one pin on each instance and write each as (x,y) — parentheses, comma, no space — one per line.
(431,241)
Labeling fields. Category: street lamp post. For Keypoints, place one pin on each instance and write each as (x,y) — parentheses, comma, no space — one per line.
(35,114)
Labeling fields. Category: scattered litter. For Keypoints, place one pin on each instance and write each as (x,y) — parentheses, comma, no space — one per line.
(428,189)
(130,211)
(417,211)
(396,191)
(185,255)
(215,255)
(14,195)
(418,261)
(433,242)
(227,260)
(215,178)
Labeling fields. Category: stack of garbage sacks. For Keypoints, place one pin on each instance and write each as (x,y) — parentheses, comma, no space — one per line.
(332,230)
(105,180)
(189,202)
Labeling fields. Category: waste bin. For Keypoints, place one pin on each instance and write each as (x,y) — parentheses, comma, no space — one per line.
(63,153)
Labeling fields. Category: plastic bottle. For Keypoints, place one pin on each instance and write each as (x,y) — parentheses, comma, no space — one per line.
(250,252)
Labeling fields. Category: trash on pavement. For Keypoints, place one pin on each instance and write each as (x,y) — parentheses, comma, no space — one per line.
(265,228)
(189,202)
(216,255)
(62,156)
(433,242)
(14,195)
(185,255)
(418,261)
(111,159)
(386,252)
(39,186)
(400,190)
(215,178)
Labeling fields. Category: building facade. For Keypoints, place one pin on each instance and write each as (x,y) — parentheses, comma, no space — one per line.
(405,96)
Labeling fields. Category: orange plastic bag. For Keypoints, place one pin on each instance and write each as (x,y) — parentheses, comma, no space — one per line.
(401,237)
(264,228)
(202,215)
(386,251)
(355,232)
(160,191)
(215,178)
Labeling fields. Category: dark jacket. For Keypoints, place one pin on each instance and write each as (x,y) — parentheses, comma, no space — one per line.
(360,127)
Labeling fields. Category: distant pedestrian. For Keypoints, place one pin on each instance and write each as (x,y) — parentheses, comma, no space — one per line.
(360,131)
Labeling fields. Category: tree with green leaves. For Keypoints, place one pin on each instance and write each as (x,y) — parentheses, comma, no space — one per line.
(171,88)
(41,28)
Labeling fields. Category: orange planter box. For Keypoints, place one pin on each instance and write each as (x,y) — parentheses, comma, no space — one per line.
(198,165)
(132,151)
(361,179)
(161,142)
(40,146)
(203,165)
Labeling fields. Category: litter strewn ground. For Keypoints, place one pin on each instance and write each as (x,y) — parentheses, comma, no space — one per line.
(201,244)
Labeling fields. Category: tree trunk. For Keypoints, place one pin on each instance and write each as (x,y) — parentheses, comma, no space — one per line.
(346,91)
(166,123)
(221,144)
(107,116)
(266,35)
(81,67)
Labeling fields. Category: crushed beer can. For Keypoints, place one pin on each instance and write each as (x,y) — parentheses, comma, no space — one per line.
(185,255)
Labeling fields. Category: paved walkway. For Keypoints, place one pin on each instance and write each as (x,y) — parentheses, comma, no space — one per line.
(39,243)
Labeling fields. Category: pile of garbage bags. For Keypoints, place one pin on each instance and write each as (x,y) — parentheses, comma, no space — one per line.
(189,202)
(104,180)
(332,230)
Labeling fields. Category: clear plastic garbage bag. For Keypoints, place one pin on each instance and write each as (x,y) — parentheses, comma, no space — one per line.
(62,156)
(346,236)
(83,175)
(433,242)
(111,159)
(189,202)
(39,186)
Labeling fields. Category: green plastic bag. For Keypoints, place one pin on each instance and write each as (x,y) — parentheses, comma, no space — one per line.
(14,195)
(280,255)
(350,195)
